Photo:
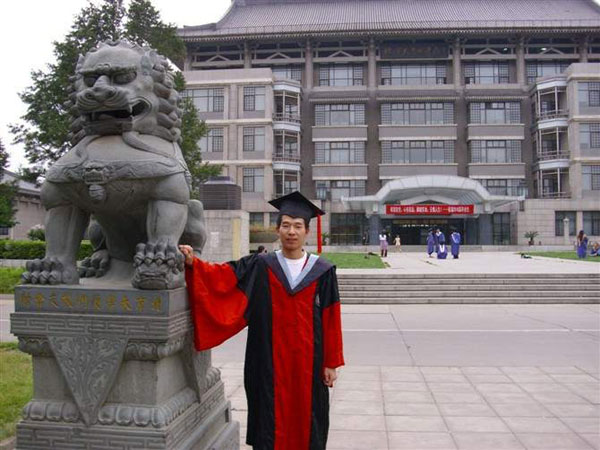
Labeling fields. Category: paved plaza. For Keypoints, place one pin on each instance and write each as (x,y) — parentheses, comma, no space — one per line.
(480,377)
(478,262)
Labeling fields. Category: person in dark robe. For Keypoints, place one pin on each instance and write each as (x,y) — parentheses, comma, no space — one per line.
(290,303)
(582,244)
(442,251)
(455,243)
(430,242)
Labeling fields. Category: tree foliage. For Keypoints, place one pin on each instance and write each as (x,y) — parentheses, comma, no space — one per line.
(45,127)
(8,193)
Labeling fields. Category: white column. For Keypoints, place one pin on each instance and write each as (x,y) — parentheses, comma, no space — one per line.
(456,63)
(247,56)
(308,66)
(521,79)
(372,64)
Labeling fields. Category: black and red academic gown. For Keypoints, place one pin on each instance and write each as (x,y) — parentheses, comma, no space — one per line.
(294,332)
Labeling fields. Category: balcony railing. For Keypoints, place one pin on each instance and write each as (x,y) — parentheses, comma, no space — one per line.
(554,194)
(554,114)
(286,157)
(545,156)
(286,117)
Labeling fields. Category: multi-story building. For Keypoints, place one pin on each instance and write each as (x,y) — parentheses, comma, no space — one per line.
(399,115)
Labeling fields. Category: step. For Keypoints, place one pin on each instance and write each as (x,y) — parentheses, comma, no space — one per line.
(514,293)
(471,300)
(468,287)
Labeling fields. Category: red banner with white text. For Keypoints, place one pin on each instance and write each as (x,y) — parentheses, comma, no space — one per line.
(429,210)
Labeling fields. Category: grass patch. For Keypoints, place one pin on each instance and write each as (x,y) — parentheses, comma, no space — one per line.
(565,255)
(16,386)
(9,277)
(355,260)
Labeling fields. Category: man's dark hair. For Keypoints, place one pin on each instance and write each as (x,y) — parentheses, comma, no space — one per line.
(280,217)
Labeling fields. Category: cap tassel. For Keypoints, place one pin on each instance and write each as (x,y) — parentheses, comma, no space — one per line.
(319,236)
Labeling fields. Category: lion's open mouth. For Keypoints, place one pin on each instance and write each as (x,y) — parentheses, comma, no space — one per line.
(137,109)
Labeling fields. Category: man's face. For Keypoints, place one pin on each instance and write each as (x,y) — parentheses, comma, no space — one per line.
(292,232)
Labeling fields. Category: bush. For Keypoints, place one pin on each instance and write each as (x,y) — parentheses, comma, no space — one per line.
(37,233)
(35,249)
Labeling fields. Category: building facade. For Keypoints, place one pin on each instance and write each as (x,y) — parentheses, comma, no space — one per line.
(28,204)
(388,112)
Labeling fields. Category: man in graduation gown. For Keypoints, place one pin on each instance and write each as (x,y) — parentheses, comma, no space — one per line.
(289,300)
(430,242)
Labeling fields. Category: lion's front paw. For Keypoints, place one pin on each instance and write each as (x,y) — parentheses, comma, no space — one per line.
(95,265)
(49,271)
(158,266)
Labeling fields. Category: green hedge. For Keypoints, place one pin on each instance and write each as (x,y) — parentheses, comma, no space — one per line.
(34,249)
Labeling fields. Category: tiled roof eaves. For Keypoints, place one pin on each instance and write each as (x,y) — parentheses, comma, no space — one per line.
(194,34)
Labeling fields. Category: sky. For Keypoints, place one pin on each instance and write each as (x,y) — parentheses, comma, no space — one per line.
(28,28)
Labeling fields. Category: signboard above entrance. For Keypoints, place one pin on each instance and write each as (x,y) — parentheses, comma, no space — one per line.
(429,210)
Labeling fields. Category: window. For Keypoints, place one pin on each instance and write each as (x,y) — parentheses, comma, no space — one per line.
(347,229)
(413,74)
(286,182)
(4,231)
(537,69)
(591,223)
(213,141)
(340,153)
(495,151)
(589,135)
(286,145)
(254,139)
(273,219)
(495,113)
(254,98)
(256,219)
(336,189)
(206,100)
(501,228)
(340,114)
(559,224)
(591,178)
(486,72)
(341,75)
(589,94)
(290,72)
(417,113)
(510,187)
(253,179)
(417,152)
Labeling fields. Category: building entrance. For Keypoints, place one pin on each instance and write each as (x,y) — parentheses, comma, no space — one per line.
(414,231)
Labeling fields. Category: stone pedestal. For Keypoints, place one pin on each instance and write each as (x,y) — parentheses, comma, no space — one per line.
(115,368)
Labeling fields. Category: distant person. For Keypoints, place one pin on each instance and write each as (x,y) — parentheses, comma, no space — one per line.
(430,242)
(595,249)
(365,239)
(383,244)
(582,244)
(455,244)
(261,249)
(398,243)
(442,251)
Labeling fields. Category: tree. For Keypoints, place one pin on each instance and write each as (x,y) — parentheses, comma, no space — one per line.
(144,26)
(8,193)
(192,129)
(45,130)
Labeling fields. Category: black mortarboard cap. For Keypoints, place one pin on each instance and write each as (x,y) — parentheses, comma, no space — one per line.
(296,205)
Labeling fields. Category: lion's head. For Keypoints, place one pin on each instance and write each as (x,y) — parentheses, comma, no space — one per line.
(119,86)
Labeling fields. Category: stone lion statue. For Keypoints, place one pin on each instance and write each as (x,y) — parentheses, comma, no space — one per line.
(125,171)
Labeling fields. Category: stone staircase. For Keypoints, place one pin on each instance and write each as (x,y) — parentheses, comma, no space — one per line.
(469,288)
